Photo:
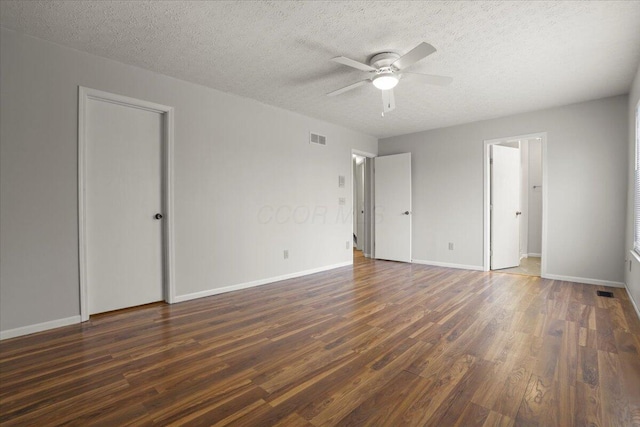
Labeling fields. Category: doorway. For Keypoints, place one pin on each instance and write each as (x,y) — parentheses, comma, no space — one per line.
(358,206)
(515,208)
(125,210)
(362,204)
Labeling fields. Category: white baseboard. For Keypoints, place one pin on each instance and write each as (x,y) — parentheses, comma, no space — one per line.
(38,327)
(215,291)
(633,303)
(531,255)
(448,265)
(586,280)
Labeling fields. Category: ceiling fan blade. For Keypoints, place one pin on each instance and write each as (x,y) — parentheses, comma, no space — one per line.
(431,79)
(351,63)
(347,88)
(414,55)
(388,101)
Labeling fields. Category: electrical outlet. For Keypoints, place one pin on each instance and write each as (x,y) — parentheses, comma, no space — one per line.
(450,246)
(348,244)
(286,254)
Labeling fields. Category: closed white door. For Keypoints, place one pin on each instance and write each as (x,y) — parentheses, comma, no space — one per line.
(122,197)
(505,207)
(393,207)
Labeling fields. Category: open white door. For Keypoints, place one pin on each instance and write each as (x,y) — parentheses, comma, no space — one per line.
(393,207)
(505,207)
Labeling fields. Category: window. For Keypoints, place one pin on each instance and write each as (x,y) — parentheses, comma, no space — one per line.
(636,209)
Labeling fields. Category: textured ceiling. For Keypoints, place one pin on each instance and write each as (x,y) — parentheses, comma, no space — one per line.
(505,57)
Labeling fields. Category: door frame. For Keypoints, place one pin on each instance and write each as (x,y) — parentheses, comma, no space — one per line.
(487,197)
(84,95)
(368,208)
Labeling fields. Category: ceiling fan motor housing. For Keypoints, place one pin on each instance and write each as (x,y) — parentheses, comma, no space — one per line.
(383,60)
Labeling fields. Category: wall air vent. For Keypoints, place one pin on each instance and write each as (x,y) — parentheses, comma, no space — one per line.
(315,138)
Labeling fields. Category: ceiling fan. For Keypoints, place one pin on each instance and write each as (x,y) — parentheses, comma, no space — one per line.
(387,68)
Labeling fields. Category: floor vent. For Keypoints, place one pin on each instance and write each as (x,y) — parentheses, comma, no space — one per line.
(605,294)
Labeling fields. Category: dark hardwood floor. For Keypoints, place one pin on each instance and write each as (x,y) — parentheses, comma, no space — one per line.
(382,343)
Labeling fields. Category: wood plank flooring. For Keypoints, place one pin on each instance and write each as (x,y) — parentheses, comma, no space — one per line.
(380,344)
(529,266)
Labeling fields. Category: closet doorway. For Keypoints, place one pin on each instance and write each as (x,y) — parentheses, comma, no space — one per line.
(514,205)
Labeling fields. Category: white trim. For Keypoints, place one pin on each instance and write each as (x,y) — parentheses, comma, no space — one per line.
(84,94)
(530,255)
(545,205)
(82,250)
(168,229)
(633,303)
(260,282)
(448,265)
(487,197)
(38,327)
(636,257)
(362,153)
(636,141)
(585,280)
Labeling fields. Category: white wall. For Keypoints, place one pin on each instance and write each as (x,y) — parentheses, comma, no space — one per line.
(632,269)
(587,187)
(236,163)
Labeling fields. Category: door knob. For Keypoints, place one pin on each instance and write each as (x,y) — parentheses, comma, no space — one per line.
(405,213)
(158,216)
(518,213)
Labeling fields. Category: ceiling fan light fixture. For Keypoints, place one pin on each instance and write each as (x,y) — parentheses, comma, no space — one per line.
(385,81)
